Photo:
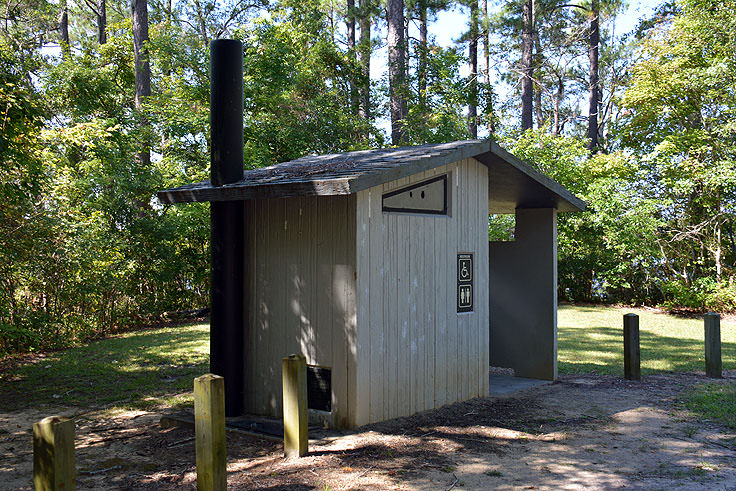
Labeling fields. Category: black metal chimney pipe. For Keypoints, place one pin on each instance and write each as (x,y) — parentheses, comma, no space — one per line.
(228,320)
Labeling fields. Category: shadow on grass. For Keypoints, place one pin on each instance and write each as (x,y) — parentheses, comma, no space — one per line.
(126,370)
(599,350)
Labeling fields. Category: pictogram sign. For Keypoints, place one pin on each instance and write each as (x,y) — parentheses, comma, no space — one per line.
(465,282)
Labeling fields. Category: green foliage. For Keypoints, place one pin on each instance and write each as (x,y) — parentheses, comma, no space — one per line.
(594,259)
(87,249)
(21,117)
(297,91)
(623,247)
(23,227)
(701,294)
(438,117)
(501,227)
(680,108)
(26,23)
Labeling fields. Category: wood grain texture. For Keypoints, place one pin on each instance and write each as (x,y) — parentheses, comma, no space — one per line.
(428,354)
(371,295)
(296,437)
(54,466)
(209,430)
(362,378)
(632,356)
(713,362)
(303,296)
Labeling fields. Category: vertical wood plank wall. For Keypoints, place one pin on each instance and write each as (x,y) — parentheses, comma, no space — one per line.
(414,351)
(301,267)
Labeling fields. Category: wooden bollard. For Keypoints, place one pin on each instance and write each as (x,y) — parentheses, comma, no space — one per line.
(296,438)
(209,432)
(54,467)
(632,354)
(713,367)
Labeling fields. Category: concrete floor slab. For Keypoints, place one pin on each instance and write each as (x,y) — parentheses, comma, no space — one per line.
(506,384)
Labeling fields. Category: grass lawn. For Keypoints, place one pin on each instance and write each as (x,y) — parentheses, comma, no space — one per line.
(714,401)
(155,367)
(136,370)
(590,340)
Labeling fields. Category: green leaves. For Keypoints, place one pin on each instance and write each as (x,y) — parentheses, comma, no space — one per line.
(680,106)
(610,251)
(297,94)
(439,117)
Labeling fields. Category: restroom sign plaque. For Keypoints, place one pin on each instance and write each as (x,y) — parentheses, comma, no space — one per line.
(465,282)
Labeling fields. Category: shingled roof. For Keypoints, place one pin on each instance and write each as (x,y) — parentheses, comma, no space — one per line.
(512,183)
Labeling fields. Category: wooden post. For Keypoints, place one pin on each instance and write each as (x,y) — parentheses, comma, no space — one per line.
(53,454)
(713,365)
(296,438)
(209,431)
(632,356)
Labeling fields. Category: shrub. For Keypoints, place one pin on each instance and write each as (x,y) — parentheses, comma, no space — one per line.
(702,294)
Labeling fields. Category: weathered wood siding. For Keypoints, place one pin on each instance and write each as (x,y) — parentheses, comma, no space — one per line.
(414,351)
(301,265)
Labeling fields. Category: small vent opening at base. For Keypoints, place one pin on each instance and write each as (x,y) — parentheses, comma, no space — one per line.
(319,388)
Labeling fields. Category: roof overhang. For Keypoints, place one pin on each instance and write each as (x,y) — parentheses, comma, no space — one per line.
(512,183)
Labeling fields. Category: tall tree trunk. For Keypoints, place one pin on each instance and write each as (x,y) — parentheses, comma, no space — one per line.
(556,127)
(718,254)
(142,66)
(594,42)
(365,58)
(473,62)
(538,85)
(64,29)
(332,21)
(101,21)
(13,302)
(407,42)
(538,107)
(718,237)
(527,66)
(396,69)
(487,75)
(422,68)
(350,23)
(201,22)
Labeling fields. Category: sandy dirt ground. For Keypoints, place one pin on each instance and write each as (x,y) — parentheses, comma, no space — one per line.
(583,432)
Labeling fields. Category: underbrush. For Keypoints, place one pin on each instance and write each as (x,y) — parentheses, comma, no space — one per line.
(704,294)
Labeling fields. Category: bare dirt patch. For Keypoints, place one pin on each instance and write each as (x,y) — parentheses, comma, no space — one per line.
(583,432)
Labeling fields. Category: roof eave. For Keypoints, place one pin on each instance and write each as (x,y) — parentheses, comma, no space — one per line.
(531,188)
(204,191)
(560,197)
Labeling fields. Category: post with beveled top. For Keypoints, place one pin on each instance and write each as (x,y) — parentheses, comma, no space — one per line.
(632,357)
(296,438)
(54,467)
(209,432)
(713,367)
(228,295)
